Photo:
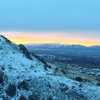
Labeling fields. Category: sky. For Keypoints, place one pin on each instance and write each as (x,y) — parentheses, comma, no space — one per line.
(68,38)
(60,21)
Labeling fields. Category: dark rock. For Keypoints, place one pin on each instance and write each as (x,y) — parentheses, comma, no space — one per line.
(23,85)
(79,79)
(98,84)
(5,98)
(1,76)
(63,87)
(22,98)
(24,50)
(50,98)
(11,90)
(34,96)
(63,71)
(2,67)
(49,86)
(31,97)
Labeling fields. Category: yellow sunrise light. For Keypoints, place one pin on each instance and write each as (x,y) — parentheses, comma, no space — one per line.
(37,38)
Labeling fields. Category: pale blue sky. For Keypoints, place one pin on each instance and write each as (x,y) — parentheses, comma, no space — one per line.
(31,15)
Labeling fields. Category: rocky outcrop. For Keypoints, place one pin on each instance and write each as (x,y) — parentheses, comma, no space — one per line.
(24,50)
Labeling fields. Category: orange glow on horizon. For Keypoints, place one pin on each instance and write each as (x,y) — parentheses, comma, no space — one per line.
(50,38)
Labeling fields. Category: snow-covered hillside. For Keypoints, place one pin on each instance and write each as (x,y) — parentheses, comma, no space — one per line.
(25,77)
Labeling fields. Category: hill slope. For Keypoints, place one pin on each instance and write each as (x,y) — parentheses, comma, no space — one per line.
(24,77)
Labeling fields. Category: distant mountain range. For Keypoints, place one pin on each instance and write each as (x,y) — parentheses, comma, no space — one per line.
(67,49)
(73,54)
(57,44)
(51,46)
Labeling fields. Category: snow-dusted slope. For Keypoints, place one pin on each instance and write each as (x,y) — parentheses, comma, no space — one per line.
(24,77)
